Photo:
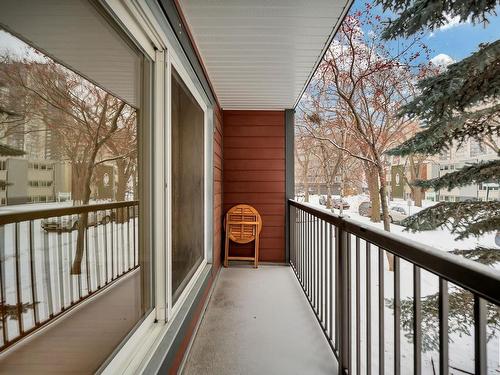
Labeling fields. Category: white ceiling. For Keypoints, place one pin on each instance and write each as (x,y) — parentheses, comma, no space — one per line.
(259,54)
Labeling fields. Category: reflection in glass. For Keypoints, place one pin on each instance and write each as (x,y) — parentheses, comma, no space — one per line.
(188,186)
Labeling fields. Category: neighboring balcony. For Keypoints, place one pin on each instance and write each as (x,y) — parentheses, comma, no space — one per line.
(68,285)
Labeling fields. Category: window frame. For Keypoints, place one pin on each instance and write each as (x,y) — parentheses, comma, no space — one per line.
(181,71)
(139,22)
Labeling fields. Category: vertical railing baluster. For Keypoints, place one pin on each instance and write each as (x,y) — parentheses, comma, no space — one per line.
(316,265)
(320,244)
(368,311)
(87,260)
(381,317)
(48,282)
(34,298)
(122,248)
(417,322)
(19,297)
(443,326)
(70,257)
(301,246)
(358,308)
(349,300)
(105,239)
(60,265)
(343,287)
(331,260)
(320,271)
(298,241)
(309,251)
(113,218)
(397,316)
(79,275)
(135,229)
(97,258)
(325,298)
(129,255)
(338,290)
(480,338)
(3,297)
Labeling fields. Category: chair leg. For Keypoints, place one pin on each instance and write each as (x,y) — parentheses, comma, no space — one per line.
(226,248)
(256,260)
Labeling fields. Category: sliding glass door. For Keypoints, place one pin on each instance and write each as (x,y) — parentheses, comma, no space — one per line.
(188,186)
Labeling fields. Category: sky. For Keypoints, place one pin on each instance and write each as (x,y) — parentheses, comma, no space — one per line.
(15,47)
(454,41)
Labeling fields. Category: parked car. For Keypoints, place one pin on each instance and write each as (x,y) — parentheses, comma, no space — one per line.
(396,213)
(322,200)
(365,208)
(70,223)
(338,202)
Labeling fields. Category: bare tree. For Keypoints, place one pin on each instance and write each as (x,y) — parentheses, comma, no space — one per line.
(364,83)
(303,156)
(81,116)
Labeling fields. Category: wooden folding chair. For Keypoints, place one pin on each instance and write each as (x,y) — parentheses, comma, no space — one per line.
(243,225)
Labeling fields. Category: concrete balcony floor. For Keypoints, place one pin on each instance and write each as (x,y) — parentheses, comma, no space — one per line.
(258,321)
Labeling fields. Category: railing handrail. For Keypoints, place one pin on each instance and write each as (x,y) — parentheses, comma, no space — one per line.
(21,216)
(470,275)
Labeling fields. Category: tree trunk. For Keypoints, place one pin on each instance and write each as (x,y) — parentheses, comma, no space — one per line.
(76,268)
(328,196)
(306,189)
(78,183)
(123,177)
(385,211)
(417,195)
(416,191)
(373,188)
(383,199)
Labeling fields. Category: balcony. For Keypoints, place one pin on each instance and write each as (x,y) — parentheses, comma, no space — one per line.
(137,287)
(259,321)
(312,315)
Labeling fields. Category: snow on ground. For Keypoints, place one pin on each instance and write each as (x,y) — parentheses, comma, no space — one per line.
(440,238)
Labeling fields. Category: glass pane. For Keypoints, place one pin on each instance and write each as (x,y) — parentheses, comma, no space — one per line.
(188,186)
(65,143)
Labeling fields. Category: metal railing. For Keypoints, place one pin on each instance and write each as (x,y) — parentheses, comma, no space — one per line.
(352,276)
(53,259)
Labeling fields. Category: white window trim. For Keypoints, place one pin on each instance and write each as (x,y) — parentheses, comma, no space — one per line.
(139,21)
(191,87)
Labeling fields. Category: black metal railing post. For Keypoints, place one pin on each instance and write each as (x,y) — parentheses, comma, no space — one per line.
(343,302)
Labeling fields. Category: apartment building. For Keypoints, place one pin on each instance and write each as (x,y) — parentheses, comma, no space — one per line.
(456,158)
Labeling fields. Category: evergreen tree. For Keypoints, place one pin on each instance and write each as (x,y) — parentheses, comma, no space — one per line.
(457,105)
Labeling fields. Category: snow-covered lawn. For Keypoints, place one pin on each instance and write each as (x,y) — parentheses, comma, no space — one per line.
(440,238)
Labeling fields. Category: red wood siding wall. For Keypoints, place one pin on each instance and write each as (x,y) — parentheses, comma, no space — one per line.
(254,173)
